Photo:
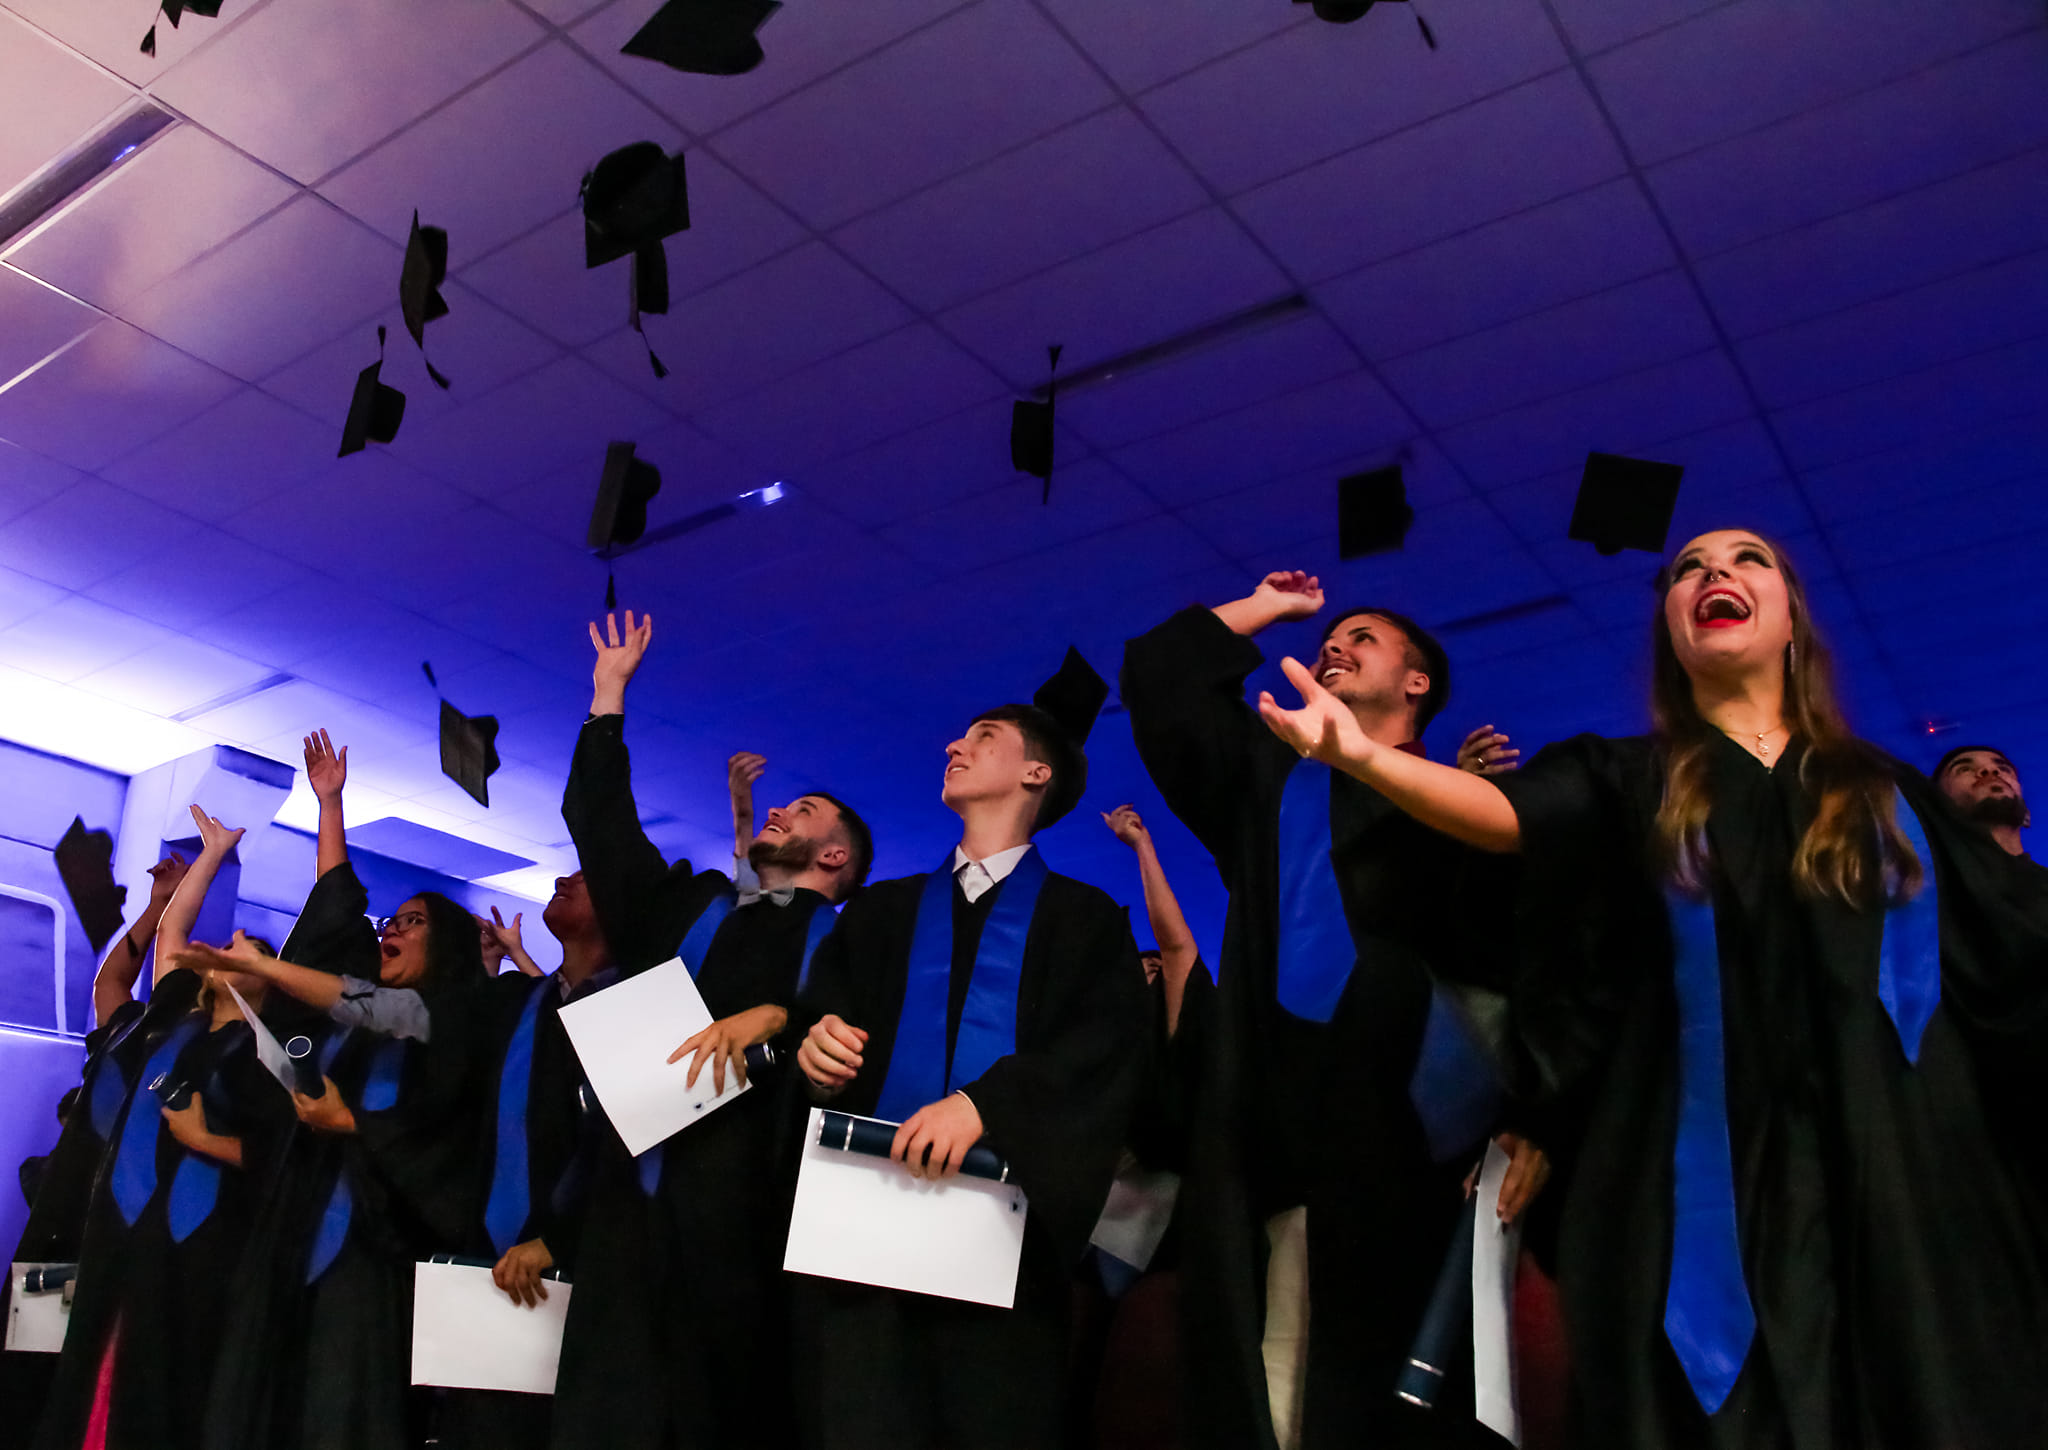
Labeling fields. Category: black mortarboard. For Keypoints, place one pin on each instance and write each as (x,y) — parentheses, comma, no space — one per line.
(1067,705)
(172,10)
(1343,12)
(419,296)
(85,861)
(1625,503)
(709,37)
(375,411)
(469,745)
(620,515)
(1031,439)
(632,199)
(1373,514)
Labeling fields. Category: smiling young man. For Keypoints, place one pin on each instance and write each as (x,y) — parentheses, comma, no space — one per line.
(1343,1098)
(992,999)
(674,1337)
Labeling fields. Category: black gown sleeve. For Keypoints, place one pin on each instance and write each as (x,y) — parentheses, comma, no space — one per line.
(333,932)
(1183,684)
(642,902)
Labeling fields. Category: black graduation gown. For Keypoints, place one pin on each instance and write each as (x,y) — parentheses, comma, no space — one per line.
(56,1214)
(327,1366)
(1293,1112)
(1897,1271)
(674,1336)
(880,1367)
(169,1297)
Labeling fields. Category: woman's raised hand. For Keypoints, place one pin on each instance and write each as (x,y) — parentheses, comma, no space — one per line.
(1322,726)
(215,839)
(326,768)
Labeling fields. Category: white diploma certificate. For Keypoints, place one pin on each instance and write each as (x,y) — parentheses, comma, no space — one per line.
(1495,1249)
(623,1037)
(468,1334)
(866,1220)
(36,1322)
(268,1052)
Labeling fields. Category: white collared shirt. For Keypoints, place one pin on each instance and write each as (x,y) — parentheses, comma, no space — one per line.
(979,877)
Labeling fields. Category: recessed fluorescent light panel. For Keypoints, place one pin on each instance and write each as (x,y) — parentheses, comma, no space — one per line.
(123,134)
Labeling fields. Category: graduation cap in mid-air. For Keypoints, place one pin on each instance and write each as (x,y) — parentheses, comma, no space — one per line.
(1343,12)
(172,10)
(1373,513)
(619,516)
(709,37)
(469,745)
(1625,503)
(1063,712)
(419,286)
(374,411)
(1031,438)
(85,861)
(632,199)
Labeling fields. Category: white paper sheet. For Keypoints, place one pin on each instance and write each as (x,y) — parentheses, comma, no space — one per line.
(623,1037)
(868,1221)
(268,1051)
(36,1322)
(1136,1216)
(468,1334)
(1496,1248)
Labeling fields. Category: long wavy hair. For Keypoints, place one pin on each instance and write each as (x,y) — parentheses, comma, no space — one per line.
(454,956)
(1853,850)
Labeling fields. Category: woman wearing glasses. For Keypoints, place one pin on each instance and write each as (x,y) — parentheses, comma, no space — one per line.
(1805,1010)
(319,1354)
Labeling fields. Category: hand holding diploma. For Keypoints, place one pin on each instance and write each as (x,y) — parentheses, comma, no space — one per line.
(937,1136)
(725,1042)
(519,1273)
(831,1054)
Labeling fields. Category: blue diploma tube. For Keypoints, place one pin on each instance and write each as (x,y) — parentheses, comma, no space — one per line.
(872,1137)
(1448,1314)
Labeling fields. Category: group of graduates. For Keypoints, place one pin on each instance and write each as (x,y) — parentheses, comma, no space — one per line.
(1752,1009)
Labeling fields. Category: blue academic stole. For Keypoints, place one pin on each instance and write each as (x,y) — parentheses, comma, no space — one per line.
(505,1212)
(988,1022)
(1454,1089)
(133,1179)
(1708,1316)
(380,1093)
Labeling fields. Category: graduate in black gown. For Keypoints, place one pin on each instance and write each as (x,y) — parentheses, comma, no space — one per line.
(1802,988)
(1982,783)
(1020,1019)
(1343,1097)
(674,1336)
(172,1204)
(529,1203)
(381,1172)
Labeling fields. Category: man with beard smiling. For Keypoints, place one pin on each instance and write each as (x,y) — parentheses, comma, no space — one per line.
(673,1337)
(1981,782)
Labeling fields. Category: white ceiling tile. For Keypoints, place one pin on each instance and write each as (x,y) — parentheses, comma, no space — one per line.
(1668,94)
(1289,512)
(224,460)
(74,637)
(1341,419)
(110,32)
(1512,151)
(500,159)
(114,389)
(1980,108)
(1492,274)
(1125,37)
(768,321)
(1933,231)
(1139,292)
(1902,333)
(27,479)
(35,320)
(308,87)
(800,45)
(345,511)
(208,574)
(1595,25)
(696,473)
(1929,467)
(565,12)
(179,196)
(1011,521)
(542,278)
(21,596)
(936,102)
(1080,188)
(884,387)
(382,666)
(1576,343)
(1970,392)
(950,459)
(1115,560)
(49,98)
(1317,90)
(475,549)
(1231,373)
(280,289)
(173,676)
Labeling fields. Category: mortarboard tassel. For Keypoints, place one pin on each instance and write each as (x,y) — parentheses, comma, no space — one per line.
(611,592)
(1428,35)
(427,669)
(432,371)
(1051,385)
(149,41)
(647,274)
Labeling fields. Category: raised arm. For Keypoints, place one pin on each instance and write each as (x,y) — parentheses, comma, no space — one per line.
(1177,950)
(174,932)
(1464,806)
(327,773)
(1284,594)
(740,774)
(114,982)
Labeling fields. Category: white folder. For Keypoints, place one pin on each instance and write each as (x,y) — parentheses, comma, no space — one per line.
(36,1322)
(268,1052)
(468,1334)
(1496,1248)
(866,1220)
(623,1037)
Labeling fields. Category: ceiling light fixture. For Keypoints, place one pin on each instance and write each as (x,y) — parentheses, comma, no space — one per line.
(754,498)
(115,141)
(1277,313)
